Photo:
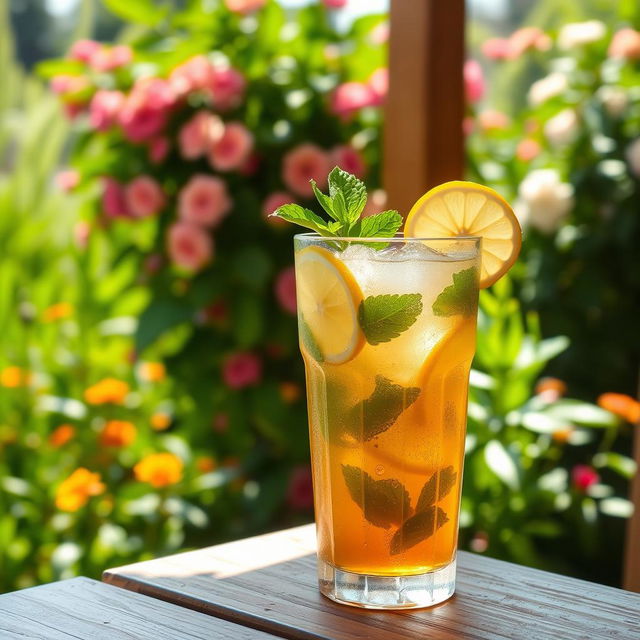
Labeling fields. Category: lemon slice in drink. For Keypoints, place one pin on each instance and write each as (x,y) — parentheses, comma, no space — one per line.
(467,209)
(328,301)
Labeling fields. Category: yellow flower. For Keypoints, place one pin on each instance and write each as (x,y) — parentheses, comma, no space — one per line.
(74,492)
(152,371)
(13,377)
(159,469)
(58,311)
(107,391)
(118,433)
(61,435)
(160,421)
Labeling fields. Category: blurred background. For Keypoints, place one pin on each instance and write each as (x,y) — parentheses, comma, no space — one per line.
(151,388)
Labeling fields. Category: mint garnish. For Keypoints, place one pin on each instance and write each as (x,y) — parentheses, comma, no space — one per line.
(382,408)
(460,297)
(442,481)
(308,340)
(417,528)
(383,502)
(344,204)
(385,317)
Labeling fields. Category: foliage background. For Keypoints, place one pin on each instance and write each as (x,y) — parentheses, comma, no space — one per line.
(546,476)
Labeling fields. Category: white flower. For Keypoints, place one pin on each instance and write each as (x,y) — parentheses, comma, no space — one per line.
(633,157)
(544,200)
(614,100)
(562,128)
(546,88)
(577,34)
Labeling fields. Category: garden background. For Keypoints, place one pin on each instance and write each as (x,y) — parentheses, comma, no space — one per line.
(151,389)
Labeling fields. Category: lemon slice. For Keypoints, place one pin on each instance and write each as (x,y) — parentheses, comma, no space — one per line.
(468,209)
(328,301)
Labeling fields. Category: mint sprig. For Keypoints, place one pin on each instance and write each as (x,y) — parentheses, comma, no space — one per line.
(344,206)
(386,316)
(460,297)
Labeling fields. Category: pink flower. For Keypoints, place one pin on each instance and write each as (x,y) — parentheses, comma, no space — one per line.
(82,50)
(244,6)
(304,163)
(272,202)
(527,38)
(198,134)
(144,197)
(334,4)
(65,84)
(104,108)
(242,369)
(190,247)
(473,81)
(204,200)
(496,48)
(583,476)
(468,125)
(352,96)
(192,75)
(300,490)
(110,58)
(227,87)
(232,149)
(144,113)
(67,180)
(379,83)
(376,203)
(113,200)
(527,150)
(491,120)
(158,149)
(285,289)
(347,158)
(625,44)
(380,33)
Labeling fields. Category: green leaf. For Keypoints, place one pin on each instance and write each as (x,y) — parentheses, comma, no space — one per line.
(417,529)
(383,502)
(616,507)
(308,340)
(442,482)
(385,317)
(160,316)
(60,66)
(304,217)
(460,298)
(382,408)
(324,200)
(352,189)
(341,212)
(502,464)
(625,466)
(382,225)
(582,413)
(145,12)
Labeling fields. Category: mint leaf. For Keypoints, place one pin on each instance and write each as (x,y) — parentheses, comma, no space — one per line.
(353,191)
(303,217)
(385,317)
(417,529)
(341,211)
(383,502)
(382,225)
(381,409)
(440,483)
(308,340)
(460,298)
(325,201)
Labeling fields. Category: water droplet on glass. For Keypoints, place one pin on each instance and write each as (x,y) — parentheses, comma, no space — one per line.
(379,470)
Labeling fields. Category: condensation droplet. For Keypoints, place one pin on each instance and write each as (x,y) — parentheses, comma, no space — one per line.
(379,470)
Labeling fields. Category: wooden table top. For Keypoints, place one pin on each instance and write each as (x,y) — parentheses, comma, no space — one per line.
(269,583)
(86,609)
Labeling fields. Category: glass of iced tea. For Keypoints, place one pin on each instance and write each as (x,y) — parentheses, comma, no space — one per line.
(387,332)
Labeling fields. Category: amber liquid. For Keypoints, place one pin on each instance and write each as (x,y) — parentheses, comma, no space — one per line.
(431,360)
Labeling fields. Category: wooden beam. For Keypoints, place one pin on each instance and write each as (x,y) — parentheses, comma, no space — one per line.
(423,140)
(631,579)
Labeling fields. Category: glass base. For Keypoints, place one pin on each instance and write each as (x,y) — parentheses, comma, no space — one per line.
(386,592)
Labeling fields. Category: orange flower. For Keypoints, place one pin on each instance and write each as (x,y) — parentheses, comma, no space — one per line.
(561,436)
(58,311)
(206,464)
(622,405)
(107,391)
(159,469)
(551,388)
(117,433)
(160,421)
(13,377)
(74,492)
(290,392)
(61,435)
(152,371)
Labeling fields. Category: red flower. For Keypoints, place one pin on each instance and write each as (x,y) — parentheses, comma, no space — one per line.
(242,370)
(583,476)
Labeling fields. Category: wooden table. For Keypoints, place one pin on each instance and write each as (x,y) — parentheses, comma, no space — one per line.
(269,583)
(85,609)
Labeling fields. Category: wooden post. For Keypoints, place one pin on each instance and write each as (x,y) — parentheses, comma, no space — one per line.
(631,580)
(423,140)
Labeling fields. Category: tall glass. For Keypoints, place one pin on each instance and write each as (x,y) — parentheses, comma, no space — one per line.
(387,416)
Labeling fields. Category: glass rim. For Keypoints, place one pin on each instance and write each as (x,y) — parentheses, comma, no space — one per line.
(398,237)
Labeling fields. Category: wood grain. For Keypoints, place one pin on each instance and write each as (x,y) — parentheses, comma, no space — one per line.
(631,579)
(87,609)
(423,139)
(269,583)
